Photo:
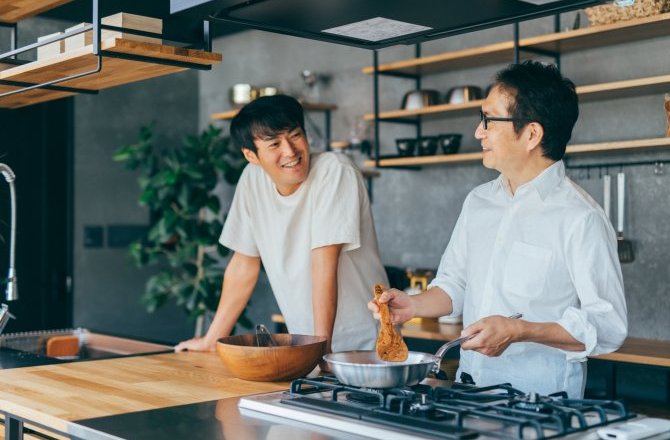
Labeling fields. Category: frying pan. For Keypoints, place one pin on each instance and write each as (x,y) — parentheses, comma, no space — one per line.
(365,369)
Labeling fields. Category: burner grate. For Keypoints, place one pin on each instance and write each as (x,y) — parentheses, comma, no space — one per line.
(458,412)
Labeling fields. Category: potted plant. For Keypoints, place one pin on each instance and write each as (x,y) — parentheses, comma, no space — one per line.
(182,239)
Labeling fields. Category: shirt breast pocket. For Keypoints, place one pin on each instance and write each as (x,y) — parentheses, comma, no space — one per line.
(526,269)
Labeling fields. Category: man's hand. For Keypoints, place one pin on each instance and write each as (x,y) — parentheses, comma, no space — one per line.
(238,283)
(401,306)
(493,335)
(196,344)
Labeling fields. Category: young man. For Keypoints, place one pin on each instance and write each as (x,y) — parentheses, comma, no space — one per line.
(307,218)
(530,241)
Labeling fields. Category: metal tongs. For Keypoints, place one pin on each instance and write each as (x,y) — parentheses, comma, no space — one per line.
(263,337)
(453,343)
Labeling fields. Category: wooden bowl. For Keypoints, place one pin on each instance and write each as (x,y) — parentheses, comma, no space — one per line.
(294,356)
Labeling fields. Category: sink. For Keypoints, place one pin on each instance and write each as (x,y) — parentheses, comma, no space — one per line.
(87,345)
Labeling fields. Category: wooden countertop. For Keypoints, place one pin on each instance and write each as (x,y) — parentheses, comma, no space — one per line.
(431,329)
(634,350)
(54,395)
(641,351)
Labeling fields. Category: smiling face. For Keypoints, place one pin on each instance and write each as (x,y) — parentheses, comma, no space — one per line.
(284,156)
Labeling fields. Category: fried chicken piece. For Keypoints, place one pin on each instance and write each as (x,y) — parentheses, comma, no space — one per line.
(390,345)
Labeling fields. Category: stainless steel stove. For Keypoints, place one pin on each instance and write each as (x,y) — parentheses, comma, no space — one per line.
(437,410)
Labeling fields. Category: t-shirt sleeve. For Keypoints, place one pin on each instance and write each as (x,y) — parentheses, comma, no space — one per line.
(336,208)
(238,231)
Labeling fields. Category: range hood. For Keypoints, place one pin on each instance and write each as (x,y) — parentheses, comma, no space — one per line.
(372,24)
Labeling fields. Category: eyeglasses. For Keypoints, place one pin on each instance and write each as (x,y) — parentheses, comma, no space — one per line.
(486,119)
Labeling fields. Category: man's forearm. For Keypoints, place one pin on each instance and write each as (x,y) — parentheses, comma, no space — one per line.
(548,333)
(238,284)
(324,289)
(432,303)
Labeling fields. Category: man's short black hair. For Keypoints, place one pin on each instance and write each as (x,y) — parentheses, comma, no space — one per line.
(266,116)
(541,94)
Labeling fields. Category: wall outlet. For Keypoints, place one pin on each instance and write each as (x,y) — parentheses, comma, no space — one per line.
(93,236)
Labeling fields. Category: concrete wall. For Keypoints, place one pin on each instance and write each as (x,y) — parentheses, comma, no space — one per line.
(107,286)
(416,211)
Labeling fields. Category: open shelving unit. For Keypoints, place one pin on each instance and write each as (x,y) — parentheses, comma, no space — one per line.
(554,45)
(560,42)
(115,71)
(571,150)
(610,90)
(88,69)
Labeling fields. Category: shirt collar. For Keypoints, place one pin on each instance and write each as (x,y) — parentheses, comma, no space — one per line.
(544,183)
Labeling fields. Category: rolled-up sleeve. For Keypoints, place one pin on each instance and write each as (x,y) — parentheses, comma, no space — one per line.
(599,321)
(452,272)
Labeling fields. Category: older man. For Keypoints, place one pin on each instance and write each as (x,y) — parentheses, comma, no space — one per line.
(530,241)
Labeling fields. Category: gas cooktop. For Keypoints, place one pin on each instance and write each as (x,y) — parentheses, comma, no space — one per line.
(437,409)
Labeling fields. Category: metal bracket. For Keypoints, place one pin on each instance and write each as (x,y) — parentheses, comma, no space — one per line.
(658,164)
(413,76)
(153,60)
(13,428)
(54,88)
(550,53)
(407,121)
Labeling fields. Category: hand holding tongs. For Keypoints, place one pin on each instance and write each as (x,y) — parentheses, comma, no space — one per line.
(453,343)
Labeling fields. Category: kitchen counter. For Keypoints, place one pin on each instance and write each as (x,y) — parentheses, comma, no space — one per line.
(57,396)
(158,396)
(218,419)
(16,359)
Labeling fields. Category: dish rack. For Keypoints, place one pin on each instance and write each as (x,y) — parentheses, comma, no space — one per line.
(36,341)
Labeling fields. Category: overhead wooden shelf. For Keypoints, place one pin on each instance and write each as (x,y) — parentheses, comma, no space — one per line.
(311,106)
(452,109)
(115,71)
(611,90)
(562,42)
(12,11)
(601,147)
(623,89)
(458,59)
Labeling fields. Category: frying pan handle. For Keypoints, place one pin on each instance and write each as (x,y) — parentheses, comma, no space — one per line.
(443,350)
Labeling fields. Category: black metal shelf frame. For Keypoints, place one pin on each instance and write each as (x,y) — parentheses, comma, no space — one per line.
(658,165)
(417,122)
(95,26)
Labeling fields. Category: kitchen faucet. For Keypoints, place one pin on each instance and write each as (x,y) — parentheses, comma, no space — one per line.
(11,293)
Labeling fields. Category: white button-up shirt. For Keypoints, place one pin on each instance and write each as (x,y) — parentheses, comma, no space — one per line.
(549,252)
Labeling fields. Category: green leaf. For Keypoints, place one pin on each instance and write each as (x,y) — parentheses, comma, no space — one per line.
(176,184)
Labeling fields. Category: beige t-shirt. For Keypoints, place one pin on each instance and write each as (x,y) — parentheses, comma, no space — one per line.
(330,207)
